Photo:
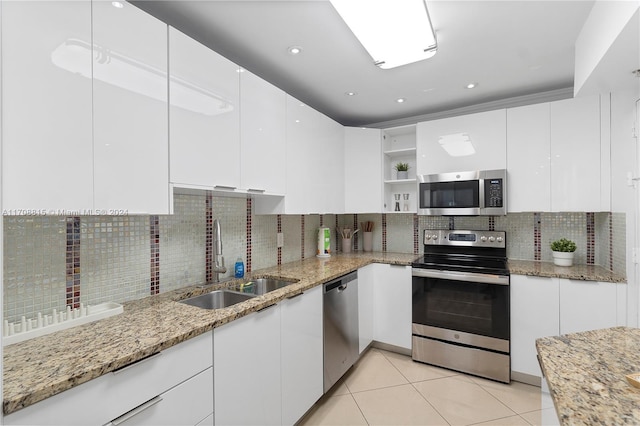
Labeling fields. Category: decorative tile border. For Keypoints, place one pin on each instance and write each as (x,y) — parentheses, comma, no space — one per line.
(209,237)
(279,226)
(384,232)
(247,267)
(611,264)
(416,234)
(355,226)
(492,223)
(73,262)
(591,238)
(154,244)
(301,236)
(537,236)
(452,223)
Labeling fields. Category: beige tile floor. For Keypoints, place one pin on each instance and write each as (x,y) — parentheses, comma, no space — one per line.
(385,388)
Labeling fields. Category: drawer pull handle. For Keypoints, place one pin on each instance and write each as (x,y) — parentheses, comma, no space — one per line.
(266,307)
(147,358)
(296,295)
(139,409)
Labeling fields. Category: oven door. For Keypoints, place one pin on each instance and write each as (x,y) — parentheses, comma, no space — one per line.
(467,303)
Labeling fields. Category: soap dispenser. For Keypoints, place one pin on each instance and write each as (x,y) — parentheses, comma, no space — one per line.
(239,268)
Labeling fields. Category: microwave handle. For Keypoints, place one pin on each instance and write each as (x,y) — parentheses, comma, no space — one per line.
(481,202)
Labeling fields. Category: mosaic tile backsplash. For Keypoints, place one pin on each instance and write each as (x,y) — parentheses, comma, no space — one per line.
(53,261)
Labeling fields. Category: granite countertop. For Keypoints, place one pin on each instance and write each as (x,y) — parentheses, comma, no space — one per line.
(586,375)
(42,367)
(575,272)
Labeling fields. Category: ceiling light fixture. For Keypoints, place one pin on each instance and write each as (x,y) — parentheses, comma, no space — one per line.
(294,50)
(457,144)
(394,33)
(117,4)
(471,86)
(350,93)
(400,100)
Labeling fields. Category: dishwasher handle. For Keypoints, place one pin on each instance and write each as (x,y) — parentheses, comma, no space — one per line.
(340,283)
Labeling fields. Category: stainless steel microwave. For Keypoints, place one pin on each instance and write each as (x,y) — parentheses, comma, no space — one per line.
(475,193)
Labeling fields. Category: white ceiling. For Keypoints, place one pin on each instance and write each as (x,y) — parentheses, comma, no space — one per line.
(511,48)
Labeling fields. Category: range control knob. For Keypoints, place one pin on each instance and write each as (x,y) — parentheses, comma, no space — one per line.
(427,236)
(434,237)
(499,239)
(492,239)
(483,239)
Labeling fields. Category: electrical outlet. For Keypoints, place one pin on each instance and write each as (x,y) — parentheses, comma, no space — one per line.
(280,239)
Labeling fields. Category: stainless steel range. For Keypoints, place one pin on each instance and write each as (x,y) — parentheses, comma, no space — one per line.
(461,303)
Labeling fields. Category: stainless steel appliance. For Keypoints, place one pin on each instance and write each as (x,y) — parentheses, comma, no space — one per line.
(460,314)
(341,336)
(474,193)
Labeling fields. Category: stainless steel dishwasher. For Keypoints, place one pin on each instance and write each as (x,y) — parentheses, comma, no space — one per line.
(340,327)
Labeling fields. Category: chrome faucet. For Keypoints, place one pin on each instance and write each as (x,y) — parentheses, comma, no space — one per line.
(218,259)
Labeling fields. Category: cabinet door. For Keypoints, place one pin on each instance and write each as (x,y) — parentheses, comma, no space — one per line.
(392,305)
(587,305)
(362,170)
(204,114)
(263,136)
(315,171)
(131,164)
(187,404)
(528,164)
(575,155)
(247,370)
(301,357)
(46,106)
(535,313)
(487,132)
(366,279)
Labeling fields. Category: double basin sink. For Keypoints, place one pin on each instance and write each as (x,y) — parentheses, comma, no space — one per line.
(224,298)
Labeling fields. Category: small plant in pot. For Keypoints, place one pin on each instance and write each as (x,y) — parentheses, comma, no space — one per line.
(563,251)
(403,170)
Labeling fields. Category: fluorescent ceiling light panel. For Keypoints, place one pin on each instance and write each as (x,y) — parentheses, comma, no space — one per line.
(393,32)
(457,145)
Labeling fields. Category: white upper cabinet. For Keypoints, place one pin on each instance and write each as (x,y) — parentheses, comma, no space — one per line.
(262,135)
(487,132)
(362,170)
(204,93)
(576,177)
(131,163)
(528,164)
(315,170)
(46,106)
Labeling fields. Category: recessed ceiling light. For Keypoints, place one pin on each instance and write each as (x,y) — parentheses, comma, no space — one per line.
(350,93)
(471,85)
(400,100)
(240,69)
(294,50)
(117,4)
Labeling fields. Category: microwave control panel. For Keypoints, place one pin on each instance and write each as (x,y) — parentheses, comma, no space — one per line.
(493,192)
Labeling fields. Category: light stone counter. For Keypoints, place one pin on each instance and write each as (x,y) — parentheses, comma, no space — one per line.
(42,367)
(576,272)
(586,375)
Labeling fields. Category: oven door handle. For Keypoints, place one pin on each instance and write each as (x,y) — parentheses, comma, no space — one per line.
(461,276)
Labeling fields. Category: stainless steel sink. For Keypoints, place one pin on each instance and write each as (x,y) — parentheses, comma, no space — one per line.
(260,286)
(218,299)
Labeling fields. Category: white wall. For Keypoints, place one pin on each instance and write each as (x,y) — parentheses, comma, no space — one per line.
(624,198)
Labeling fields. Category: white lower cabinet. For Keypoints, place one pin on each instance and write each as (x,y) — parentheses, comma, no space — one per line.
(392,305)
(590,305)
(189,403)
(134,387)
(542,307)
(247,370)
(269,364)
(366,279)
(535,313)
(301,359)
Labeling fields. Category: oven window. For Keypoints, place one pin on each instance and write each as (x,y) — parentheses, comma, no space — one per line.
(464,194)
(457,305)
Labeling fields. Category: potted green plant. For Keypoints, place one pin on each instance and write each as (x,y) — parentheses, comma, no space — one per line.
(403,170)
(563,252)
